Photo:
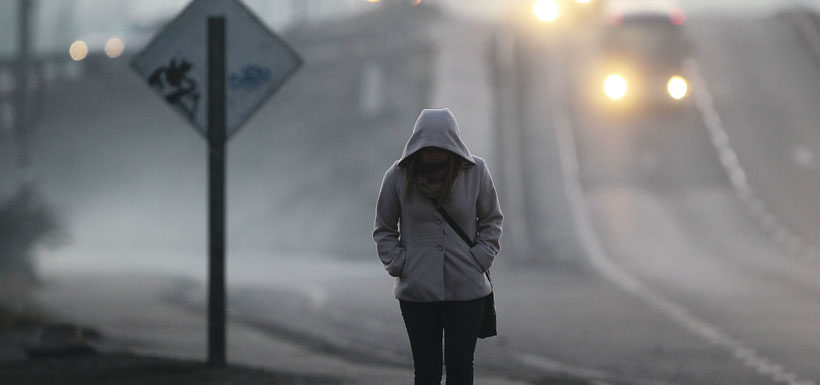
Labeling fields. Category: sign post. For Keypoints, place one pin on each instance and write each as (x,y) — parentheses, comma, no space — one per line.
(224,46)
(216,191)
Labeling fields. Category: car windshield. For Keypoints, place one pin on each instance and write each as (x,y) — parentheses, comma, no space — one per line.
(644,35)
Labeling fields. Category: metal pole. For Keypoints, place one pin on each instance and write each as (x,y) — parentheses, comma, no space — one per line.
(21,111)
(216,195)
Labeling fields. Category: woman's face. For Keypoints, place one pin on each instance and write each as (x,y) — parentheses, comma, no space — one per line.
(433,155)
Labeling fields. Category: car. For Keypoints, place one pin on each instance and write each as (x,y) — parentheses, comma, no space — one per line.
(642,48)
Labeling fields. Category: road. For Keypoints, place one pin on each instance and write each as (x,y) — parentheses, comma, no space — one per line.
(666,216)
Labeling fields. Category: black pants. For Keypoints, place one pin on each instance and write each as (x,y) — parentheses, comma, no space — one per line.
(459,321)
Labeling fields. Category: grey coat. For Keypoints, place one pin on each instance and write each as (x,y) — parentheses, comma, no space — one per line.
(427,257)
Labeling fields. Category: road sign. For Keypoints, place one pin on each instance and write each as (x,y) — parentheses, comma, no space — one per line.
(174,63)
(215,64)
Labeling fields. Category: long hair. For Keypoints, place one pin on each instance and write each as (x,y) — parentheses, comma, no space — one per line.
(454,164)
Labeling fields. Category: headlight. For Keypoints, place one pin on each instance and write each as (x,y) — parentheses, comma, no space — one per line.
(615,86)
(546,10)
(677,87)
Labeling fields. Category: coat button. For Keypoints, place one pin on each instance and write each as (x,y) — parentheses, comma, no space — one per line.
(438,221)
(439,247)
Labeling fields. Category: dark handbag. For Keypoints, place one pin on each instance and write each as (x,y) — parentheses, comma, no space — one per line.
(488,325)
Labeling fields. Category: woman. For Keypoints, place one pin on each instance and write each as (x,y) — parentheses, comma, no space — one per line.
(440,281)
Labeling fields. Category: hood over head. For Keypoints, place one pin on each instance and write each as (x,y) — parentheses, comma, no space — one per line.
(436,127)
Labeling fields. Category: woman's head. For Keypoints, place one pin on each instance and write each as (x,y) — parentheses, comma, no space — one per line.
(437,130)
(433,155)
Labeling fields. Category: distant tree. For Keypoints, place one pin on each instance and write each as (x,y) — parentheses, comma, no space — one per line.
(25,223)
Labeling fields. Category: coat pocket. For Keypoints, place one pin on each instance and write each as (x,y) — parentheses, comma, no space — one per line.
(423,269)
(466,273)
(396,266)
(482,256)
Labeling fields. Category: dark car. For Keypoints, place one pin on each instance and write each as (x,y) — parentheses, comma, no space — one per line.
(642,53)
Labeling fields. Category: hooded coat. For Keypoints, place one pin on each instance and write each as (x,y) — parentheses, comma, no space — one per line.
(428,258)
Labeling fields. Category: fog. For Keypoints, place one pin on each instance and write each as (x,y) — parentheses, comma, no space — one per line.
(628,227)
(126,174)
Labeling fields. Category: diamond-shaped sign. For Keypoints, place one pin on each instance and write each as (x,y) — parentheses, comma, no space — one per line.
(175,63)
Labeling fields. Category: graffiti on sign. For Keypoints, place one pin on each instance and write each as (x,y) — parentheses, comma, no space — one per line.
(176,86)
(249,78)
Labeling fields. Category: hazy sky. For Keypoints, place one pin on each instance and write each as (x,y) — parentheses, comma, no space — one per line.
(490,7)
(59,22)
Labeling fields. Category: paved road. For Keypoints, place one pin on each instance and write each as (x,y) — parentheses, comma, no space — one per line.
(665,221)
(766,93)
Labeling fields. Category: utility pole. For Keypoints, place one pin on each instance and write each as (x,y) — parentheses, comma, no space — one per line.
(22,130)
(216,190)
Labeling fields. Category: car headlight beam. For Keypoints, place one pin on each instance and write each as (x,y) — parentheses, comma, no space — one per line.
(677,87)
(615,86)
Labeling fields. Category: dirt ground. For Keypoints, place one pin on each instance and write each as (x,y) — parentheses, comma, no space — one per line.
(19,332)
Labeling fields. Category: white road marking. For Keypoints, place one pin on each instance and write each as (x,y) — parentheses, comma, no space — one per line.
(600,377)
(728,157)
(601,261)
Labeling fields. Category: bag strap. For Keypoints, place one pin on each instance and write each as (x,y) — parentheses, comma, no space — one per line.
(450,221)
(453,224)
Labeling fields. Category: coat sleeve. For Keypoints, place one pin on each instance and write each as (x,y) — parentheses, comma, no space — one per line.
(489,222)
(386,232)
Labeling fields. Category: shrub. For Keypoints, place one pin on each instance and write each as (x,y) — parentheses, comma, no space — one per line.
(25,223)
